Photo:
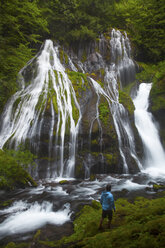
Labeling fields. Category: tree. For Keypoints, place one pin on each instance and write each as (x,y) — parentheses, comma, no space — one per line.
(21,26)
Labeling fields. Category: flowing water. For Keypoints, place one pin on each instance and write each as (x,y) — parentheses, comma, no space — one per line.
(51,206)
(23,122)
(154,159)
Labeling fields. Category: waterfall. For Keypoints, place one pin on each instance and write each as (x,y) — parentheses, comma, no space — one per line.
(148,131)
(50,92)
(122,70)
(46,114)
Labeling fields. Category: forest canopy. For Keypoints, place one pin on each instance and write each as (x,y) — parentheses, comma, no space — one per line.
(25,24)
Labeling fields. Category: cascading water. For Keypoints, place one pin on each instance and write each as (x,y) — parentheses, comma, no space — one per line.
(23,118)
(154,153)
(47,108)
(46,115)
(121,68)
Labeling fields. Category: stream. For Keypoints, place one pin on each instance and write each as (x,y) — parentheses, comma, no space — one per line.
(51,207)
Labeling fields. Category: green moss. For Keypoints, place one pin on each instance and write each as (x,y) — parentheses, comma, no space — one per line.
(94,142)
(63,182)
(84,57)
(41,102)
(104,112)
(156,75)
(134,225)
(127,89)
(14,245)
(157,187)
(158,95)
(36,236)
(147,72)
(101,84)
(12,173)
(92,177)
(110,158)
(15,105)
(5,203)
(75,111)
(63,56)
(126,101)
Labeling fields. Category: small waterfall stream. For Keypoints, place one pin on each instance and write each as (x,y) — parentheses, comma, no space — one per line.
(121,70)
(148,131)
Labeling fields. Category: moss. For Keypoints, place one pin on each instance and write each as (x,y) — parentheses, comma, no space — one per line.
(41,102)
(14,245)
(12,173)
(61,53)
(137,224)
(5,203)
(15,105)
(157,187)
(146,73)
(127,89)
(75,111)
(63,56)
(157,95)
(79,81)
(63,182)
(92,177)
(104,112)
(127,102)
(79,168)
(110,158)
(156,75)
(84,57)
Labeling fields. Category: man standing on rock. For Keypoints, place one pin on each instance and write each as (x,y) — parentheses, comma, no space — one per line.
(107,202)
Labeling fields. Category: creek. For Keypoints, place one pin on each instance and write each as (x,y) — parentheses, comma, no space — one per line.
(51,207)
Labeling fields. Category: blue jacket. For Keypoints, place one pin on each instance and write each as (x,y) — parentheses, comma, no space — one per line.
(107,201)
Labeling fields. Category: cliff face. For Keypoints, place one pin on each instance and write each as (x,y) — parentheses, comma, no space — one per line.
(71,110)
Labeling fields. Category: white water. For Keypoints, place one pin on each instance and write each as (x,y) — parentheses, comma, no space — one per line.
(154,160)
(24,217)
(121,64)
(51,89)
(26,121)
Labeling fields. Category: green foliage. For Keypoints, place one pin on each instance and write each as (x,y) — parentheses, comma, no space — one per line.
(126,101)
(104,112)
(12,168)
(156,75)
(21,26)
(111,158)
(158,88)
(75,20)
(144,20)
(79,81)
(138,224)
(24,24)
(147,72)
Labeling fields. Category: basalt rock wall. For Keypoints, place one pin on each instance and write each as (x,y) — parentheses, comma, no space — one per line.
(71,110)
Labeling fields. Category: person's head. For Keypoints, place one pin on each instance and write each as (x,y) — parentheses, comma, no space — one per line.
(108,187)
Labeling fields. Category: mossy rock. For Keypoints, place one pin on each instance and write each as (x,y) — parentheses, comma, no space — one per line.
(127,102)
(157,187)
(63,182)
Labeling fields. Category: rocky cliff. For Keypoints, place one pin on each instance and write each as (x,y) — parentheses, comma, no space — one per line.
(72,112)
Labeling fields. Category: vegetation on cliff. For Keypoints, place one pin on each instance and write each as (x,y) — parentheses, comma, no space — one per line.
(13,165)
(25,24)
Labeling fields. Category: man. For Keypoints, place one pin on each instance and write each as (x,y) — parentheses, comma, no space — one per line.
(108,205)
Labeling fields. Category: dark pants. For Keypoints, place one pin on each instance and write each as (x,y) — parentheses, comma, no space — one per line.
(106,213)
